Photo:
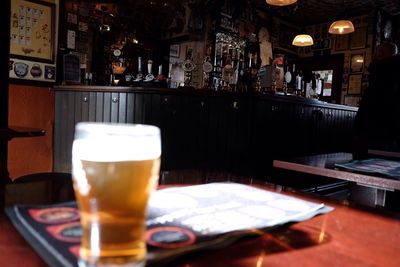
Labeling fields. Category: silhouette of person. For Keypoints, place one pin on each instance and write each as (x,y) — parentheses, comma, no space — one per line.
(377,123)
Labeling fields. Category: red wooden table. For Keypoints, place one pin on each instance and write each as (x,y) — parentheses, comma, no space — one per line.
(343,237)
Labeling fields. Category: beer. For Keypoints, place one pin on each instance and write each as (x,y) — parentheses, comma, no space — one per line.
(113,179)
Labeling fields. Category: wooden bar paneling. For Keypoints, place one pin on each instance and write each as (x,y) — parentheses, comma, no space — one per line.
(107,107)
(220,131)
(92,106)
(99,107)
(122,108)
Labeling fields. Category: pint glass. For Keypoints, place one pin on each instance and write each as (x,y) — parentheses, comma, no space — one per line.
(115,168)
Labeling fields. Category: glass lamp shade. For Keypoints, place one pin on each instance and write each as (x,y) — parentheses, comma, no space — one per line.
(341,27)
(280,2)
(303,40)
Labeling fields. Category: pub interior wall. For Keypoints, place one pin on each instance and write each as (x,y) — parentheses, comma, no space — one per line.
(33,106)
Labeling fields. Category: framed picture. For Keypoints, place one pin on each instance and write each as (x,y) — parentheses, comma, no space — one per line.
(321,44)
(341,42)
(174,50)
(357,63)
(355,84)
(32,31)
(352,100)
(359,38)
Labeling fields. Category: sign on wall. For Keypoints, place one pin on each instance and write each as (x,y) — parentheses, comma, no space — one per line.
(32,40)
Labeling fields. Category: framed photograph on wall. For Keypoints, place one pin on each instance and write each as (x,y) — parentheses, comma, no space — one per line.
(359,38)
(32,32)
(357,62)
(341,42)
(352,100)
(355,84)
(174,50)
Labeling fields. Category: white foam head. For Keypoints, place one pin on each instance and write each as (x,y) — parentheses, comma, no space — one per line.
(103,142)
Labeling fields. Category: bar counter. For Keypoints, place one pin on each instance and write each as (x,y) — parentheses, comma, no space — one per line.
(205,129)
(344,237)
(193,91)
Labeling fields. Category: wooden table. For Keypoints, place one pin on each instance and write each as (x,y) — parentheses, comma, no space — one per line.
(324,165)
(343,237)
(17,132)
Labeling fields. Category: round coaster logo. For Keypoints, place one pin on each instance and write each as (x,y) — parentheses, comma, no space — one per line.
(70,232)
(169,237)
(54,215)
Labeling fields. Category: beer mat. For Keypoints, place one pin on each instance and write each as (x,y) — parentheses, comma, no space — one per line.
(388,168)
(180,220)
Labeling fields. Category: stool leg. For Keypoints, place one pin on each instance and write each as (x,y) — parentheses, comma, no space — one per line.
(380,198)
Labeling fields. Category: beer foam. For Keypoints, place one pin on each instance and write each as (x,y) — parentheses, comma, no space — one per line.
(110,143)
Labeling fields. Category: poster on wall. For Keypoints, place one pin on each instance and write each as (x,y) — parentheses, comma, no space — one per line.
(357,62)
(355,84)
(341,42)
(32,41)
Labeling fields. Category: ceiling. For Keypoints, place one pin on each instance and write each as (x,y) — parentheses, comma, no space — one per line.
(307,12)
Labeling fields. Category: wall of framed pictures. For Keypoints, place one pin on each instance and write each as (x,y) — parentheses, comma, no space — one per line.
(358,56)
(357,50)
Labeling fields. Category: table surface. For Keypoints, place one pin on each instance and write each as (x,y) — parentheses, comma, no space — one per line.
(343,237)
(324,165)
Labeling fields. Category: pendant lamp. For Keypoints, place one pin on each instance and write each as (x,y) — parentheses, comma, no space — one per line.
(280,2)
(341,27)
(303,40)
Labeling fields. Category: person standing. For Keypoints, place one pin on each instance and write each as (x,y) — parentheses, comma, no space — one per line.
(377,123)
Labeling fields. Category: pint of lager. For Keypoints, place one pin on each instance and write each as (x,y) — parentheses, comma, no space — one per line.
(115,168)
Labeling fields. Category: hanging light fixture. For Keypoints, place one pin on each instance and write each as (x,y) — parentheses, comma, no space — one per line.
(341,27)
(280,2)
(303,40)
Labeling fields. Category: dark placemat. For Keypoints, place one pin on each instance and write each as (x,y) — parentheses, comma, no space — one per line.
(180,220)
(387,168)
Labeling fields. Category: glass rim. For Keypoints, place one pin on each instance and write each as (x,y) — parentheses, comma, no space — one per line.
(105,128)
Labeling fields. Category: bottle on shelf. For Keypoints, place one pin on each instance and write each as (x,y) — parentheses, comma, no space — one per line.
(235,76)
(227,73)
(207,70)
(160,76)
(294,74)
(288,79)
(299,83)
(149,77)
(240,85)
(320,85)
(314,81)
(139,76)
(169,77)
